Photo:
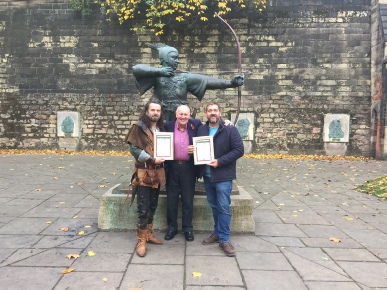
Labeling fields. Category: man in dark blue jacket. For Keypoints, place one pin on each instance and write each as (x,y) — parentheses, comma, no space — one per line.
(181,173)
(219,174)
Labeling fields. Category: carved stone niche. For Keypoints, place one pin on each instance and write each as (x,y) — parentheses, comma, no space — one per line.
(245,126)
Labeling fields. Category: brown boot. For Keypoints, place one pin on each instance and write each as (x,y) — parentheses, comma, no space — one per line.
(151,238)
(141,245)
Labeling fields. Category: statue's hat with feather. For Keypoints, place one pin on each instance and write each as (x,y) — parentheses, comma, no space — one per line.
(163,50)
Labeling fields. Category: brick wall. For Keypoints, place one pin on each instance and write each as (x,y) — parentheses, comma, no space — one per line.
(306,58)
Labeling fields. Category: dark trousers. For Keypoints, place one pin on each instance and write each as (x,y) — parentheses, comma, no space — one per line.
(147,200)
(180,182)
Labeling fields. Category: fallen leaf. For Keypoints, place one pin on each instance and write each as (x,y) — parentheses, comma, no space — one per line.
(90,253)
(81,233)
(80,183)
(347,218)
(60,167)
(55,178)
(196,274)
(75,217)
(38,189)
(87,226)
(281,204)
(72,256)
(64,229)
(102,185)
(104,279)
(69,270)
(336,240)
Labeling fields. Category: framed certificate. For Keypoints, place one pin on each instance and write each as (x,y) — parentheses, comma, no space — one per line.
(164,145)
(204,149)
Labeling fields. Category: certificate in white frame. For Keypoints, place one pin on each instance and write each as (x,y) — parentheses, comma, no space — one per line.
(163,145)
(204,149)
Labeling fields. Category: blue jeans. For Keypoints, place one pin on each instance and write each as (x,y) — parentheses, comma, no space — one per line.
(218,196)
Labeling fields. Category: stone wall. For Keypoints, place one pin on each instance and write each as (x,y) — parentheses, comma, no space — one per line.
(306,58)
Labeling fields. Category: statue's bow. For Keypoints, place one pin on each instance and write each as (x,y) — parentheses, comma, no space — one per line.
(239,66)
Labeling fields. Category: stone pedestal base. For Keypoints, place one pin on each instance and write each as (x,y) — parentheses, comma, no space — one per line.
(115,214)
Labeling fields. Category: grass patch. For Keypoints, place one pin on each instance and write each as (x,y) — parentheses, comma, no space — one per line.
(376,187)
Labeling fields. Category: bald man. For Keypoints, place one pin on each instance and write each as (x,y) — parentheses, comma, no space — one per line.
(181,173)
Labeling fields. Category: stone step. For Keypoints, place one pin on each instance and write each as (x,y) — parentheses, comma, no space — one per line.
(116,214)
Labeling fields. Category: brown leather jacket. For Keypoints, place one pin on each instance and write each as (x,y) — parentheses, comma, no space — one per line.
(142,137)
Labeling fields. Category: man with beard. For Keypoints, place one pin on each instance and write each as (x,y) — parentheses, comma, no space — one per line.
(149,171)
(171,86)
(219,174)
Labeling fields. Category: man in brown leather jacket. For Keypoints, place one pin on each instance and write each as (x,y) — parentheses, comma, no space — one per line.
(149,171)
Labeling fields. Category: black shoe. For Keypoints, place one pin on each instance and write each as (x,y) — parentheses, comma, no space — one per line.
(170,235)
(189,237)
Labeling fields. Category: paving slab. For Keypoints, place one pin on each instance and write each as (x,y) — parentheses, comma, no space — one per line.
(25,226)
(263,261)
(29,277)
(370,274)
(153,277)
(278,230)
(332,285)
(359,255)
(211,272)
(322,231)
(273,280)
(284,241)
(18,241)
(166,254)
(253,244)
(101,262)
(313,271)
(90,280)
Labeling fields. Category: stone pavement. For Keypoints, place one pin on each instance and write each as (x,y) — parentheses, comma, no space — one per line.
(300,206)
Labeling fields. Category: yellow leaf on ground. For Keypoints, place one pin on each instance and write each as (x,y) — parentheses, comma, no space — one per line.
(75,217)
(87,226)
(102,185)
(90,253)
(336,240)
(72,256)
(281,204)
(49,222)
(64,229)
(81,233)
(38,189)
(347,218)
(196,274)
(69,270)
(80,183)
(55,178)
(104,279)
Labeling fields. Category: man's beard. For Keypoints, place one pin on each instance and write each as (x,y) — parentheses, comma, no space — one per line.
(212,121)
(154,119)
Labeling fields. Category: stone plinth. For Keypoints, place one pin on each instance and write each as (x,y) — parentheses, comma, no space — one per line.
(116,214)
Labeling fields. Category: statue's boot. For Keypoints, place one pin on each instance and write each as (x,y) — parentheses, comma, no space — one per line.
(151,237)
(141,245)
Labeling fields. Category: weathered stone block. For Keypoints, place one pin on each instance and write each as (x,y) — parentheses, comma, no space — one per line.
(116,214)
